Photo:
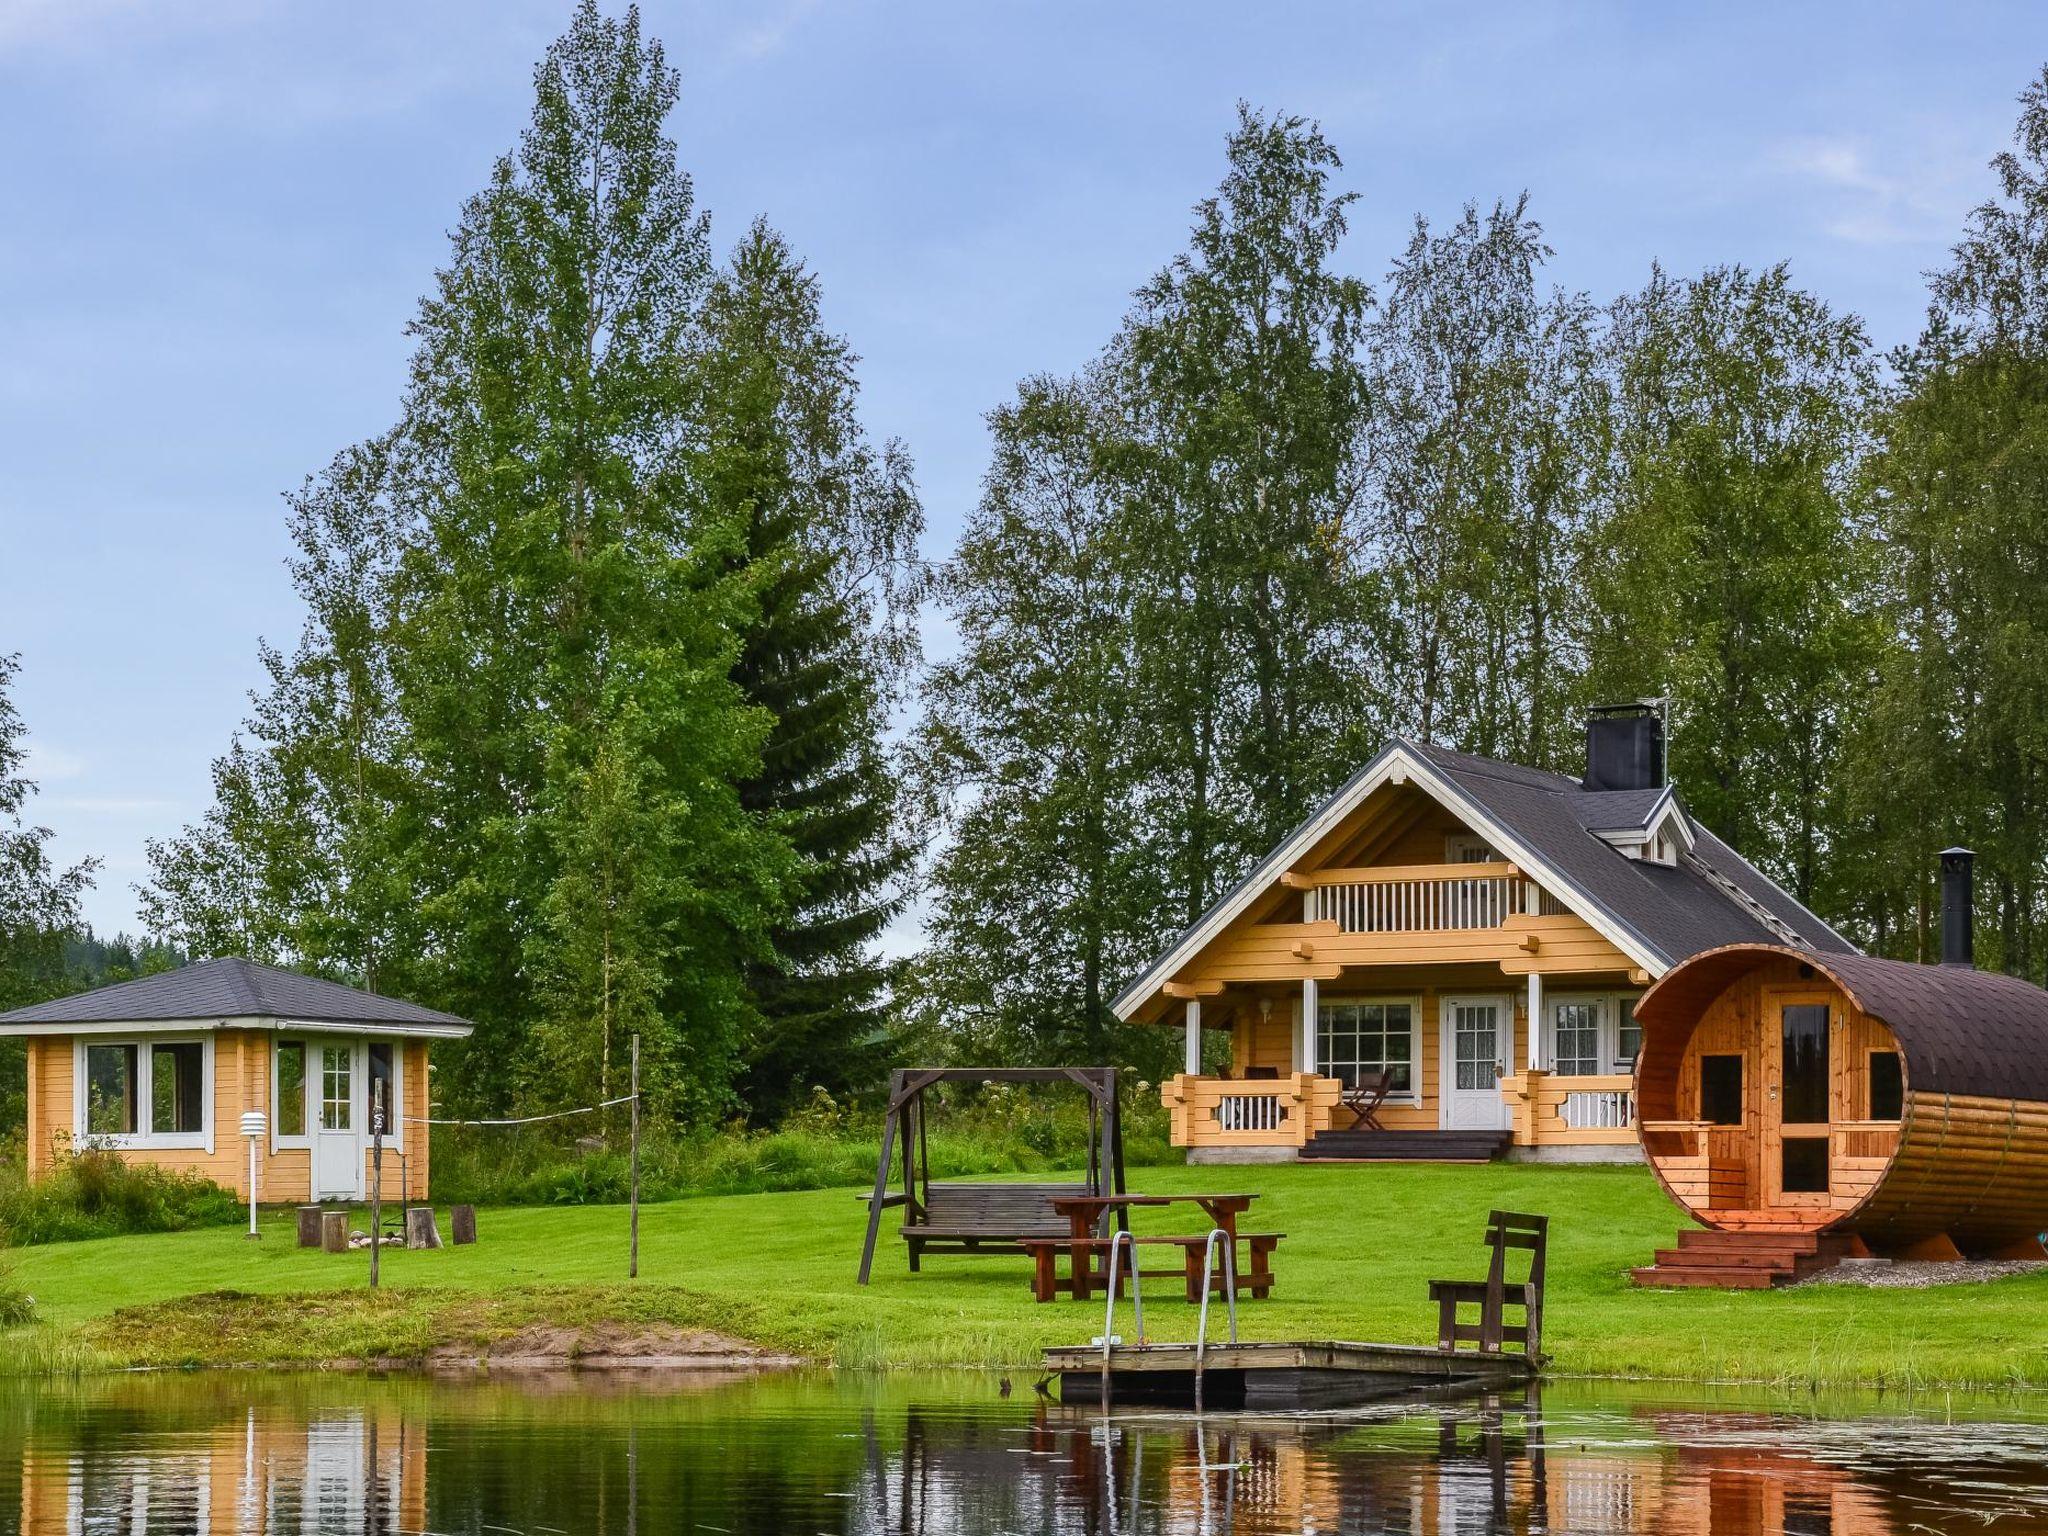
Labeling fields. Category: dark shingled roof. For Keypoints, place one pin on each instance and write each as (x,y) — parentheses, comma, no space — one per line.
(1677,910)
(229,989)
(1963,1031)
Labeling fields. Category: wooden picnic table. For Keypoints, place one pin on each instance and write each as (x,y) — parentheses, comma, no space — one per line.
(1086,1215)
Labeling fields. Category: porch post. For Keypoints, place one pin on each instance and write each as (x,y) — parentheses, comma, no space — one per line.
(1535,1021)
(1194,1055)
(1308,1023)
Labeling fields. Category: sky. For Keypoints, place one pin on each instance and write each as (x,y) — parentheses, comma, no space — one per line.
(216,220)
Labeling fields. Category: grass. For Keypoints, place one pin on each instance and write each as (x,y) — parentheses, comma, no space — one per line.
(779,1269)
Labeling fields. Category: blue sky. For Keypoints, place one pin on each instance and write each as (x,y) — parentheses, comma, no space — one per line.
(215,221)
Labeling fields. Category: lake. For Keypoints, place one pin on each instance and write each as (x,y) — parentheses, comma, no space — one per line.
(858,1455)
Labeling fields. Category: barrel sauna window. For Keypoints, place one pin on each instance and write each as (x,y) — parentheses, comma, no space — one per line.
(1887,1086)
(1721,1090)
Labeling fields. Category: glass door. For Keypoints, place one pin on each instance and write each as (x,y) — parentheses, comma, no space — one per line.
(337,1134)
(1796,1110)
(1474,1056)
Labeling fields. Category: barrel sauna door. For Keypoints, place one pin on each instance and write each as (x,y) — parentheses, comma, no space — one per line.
(1798,1078)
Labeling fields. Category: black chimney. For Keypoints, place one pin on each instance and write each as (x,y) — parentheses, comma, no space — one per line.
(1958,913)
(1625,746)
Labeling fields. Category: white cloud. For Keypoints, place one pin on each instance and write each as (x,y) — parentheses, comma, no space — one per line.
(1901,195)
(47,764)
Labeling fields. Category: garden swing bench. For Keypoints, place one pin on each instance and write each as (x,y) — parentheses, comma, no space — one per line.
(970,1217)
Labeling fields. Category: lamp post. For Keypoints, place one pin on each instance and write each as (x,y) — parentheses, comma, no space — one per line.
(255,1126)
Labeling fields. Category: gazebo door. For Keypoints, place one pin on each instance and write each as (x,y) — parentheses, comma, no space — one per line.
(1797,1082)
(337,1120)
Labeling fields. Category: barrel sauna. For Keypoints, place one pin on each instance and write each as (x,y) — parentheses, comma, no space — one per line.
(1868,1104)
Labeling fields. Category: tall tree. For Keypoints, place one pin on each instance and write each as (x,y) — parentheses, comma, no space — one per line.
(1727,566)
(39,899)
(1483,439)
(1035,745)
(549,612)
(1958,751)
(1242,381)
(830,541)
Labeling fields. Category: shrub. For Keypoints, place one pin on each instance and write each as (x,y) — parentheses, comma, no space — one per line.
(94,1193)
(998,1128)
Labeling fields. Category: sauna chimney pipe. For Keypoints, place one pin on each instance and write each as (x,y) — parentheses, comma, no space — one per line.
(1958,923)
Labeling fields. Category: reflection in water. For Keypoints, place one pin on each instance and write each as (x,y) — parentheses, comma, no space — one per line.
(854,1456)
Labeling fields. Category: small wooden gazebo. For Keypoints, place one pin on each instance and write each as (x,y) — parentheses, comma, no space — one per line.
(1897,1108)
(973,1217)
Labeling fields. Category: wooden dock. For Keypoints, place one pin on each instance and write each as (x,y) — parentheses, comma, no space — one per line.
(1276,1374)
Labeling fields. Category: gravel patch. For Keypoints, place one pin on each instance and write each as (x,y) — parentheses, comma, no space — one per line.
(1918,1274)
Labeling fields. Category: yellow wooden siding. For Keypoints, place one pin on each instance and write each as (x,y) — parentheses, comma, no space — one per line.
(241,1081)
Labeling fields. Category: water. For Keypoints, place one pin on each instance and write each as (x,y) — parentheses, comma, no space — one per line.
(888,1456)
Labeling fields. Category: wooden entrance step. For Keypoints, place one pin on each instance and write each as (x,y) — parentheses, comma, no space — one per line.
(1749,1259)
(1405,1146)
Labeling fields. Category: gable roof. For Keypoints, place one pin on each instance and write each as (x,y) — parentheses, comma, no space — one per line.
(1546,823)
(219,991)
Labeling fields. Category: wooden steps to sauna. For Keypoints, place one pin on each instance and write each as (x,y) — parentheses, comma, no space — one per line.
(1750,1258)
(1405,1146)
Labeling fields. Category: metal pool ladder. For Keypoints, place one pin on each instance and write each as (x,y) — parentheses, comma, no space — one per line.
(1216,1235)
(1118,1242)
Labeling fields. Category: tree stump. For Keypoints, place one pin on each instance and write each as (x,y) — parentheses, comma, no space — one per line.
(334,1231)
(420,1231)
(462,1224)
(309,1226)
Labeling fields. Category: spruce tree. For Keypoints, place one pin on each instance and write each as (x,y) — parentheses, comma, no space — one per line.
(829,544)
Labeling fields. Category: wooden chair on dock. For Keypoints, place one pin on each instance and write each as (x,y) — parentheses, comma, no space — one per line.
(1496,1293)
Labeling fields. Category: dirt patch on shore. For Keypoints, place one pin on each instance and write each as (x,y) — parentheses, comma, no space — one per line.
(609,1347)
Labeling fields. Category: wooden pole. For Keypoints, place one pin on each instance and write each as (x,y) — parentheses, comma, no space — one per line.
(376,1180)
(633,1241)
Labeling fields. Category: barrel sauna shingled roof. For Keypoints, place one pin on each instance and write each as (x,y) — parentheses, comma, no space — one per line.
(1963,1031)
(226,989)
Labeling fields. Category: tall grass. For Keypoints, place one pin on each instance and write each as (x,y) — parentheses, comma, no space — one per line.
(94,1193)
(995,1129)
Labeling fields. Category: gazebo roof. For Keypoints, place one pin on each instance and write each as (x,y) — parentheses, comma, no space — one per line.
(230,993)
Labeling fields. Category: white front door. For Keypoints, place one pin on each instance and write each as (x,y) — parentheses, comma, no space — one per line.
(337,1121)
(1476,1034)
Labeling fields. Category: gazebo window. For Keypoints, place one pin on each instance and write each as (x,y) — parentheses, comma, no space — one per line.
(290,1095)
(110,1073)
(144,1093)
(177,1075)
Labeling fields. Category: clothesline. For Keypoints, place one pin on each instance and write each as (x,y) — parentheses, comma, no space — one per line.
(560,1114)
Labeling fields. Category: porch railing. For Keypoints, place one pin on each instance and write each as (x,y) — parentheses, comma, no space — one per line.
(1551,1110)
(1239,1112)
(1425,897)
(1598,1109)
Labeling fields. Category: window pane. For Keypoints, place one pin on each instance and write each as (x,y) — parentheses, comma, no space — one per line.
(383,1090)
(1354,1039)
(177,1088)
(1803,1165)
(1887,1086)
(291,1087)
(1628,1035)
(110,1090)
(1576,1049)
(1805,1068)
(1721,1090)
(337,1087)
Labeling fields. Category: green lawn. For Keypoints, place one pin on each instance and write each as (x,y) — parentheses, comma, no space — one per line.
(778,1268)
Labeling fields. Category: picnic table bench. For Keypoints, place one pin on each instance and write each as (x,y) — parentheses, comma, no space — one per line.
(1087,1248)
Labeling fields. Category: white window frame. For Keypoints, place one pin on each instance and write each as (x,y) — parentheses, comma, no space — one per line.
(200,1140)
(359,1072)
(1413,1003)
(1608,1016)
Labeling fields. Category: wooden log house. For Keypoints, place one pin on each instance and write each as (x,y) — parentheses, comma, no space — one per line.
(1478,932)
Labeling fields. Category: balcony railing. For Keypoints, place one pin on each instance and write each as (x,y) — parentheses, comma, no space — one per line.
(1424,897)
